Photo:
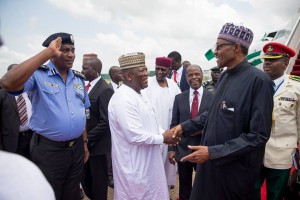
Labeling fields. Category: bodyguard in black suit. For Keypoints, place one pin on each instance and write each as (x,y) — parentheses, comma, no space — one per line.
(11,138)
(181,112)
(178,68)
(98,133)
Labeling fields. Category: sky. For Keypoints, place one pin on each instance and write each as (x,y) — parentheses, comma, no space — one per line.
(111,28)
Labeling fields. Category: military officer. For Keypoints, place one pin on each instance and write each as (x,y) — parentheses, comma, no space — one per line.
(59,103)
(285,130)
(211,85)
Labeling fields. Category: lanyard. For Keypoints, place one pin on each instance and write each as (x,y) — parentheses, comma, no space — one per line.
(278,87)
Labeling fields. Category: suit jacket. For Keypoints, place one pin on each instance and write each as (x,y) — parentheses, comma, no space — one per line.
(9,122)
(97,126)
(183,82)
(285,126)
(181,113)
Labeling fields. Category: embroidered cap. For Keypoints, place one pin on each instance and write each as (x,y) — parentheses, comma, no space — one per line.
(66,38)
(132,60)
(163,61)
(89,56)
(236,34)
(275,50)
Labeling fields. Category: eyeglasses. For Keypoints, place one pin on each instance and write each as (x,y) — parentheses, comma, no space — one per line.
(219,46)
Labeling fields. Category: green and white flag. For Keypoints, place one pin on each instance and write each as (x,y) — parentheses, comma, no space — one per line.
(209,54)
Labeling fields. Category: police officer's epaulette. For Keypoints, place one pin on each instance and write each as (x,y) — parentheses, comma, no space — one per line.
(295,78)
(77,73)
(43,67)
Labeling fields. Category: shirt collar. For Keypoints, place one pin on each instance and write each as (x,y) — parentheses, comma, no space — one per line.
(179,71)
(53,70)
(93,82)
(278,80)
(200,92)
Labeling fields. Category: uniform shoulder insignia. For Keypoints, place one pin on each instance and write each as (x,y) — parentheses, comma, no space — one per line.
(295,78)
(43,67)
(77,73)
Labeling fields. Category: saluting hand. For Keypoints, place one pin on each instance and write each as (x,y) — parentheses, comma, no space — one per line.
(200,154)
(55,45)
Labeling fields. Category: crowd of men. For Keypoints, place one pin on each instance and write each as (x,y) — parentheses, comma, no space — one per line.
(134,133)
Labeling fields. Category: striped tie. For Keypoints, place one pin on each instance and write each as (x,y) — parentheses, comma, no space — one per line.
(22,110)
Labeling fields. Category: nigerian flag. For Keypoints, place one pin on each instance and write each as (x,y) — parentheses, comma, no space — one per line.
(209,54)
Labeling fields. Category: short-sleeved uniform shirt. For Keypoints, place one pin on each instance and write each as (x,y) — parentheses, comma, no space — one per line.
(58,108)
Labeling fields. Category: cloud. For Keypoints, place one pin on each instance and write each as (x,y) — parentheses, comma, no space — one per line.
(8,57)
(156,27)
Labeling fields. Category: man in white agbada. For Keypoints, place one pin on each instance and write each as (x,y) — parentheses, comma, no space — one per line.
(161,92)
(136,138)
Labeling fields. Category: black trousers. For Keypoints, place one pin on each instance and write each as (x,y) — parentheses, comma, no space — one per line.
(24,144)
(61,165)
(95,177)
(185,172)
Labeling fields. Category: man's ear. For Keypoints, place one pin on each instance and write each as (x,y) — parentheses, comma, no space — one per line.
(127,76)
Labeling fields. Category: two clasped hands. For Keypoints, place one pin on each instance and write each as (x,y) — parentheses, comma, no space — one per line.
(173,136)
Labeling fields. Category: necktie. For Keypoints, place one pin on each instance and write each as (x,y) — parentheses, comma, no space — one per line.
(175,74)
(87,87)
(22,110)
(194,110)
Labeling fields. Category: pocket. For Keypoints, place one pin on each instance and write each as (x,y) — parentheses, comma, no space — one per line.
(50,88)
(284,108)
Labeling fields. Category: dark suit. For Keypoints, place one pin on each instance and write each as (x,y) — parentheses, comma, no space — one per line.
(183,84)
(181,113)
(10,138)
(99,141)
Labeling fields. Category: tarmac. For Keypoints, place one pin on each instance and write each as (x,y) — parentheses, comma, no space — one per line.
(174,193)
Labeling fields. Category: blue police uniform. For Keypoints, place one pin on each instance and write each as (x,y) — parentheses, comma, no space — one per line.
(58,121)
(53,100)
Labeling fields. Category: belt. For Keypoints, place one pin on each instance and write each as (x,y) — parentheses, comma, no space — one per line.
(24,133)
(67,144)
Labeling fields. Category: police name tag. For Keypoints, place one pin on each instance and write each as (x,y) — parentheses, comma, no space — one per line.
(87,113)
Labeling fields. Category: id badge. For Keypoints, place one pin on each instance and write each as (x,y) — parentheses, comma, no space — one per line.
(87,113)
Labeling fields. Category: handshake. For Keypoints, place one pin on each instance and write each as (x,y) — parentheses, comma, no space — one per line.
(173,136)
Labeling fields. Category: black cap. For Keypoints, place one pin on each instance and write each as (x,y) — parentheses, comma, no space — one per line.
(65,37)
(216,69)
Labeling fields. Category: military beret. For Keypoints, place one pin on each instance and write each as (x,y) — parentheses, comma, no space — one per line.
(216,69)
(66,38)
(274,50)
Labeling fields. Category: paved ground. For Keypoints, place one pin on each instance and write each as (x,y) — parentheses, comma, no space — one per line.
(173,192)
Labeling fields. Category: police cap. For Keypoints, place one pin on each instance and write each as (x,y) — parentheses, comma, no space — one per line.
(66,38)
(216,69)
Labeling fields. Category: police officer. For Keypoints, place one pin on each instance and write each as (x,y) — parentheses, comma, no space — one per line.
(285,130)
(211,85)
(59,102)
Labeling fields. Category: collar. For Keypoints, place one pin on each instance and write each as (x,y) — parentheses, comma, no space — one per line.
(238,68)
(200,92)
(179,71)
(278,80)
(53,70)
(93,82)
